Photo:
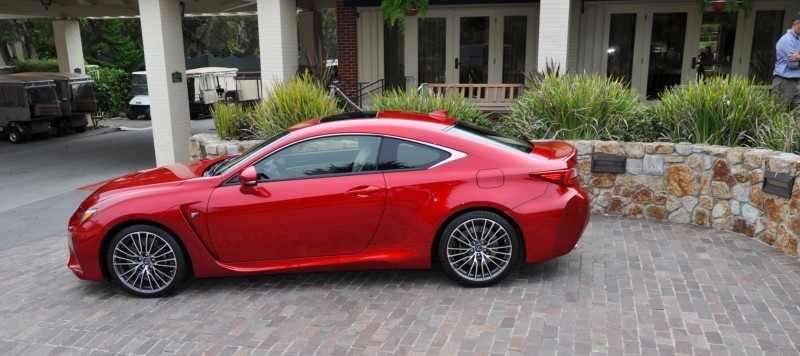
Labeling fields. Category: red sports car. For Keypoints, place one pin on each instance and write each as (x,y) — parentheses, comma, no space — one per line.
(386,190)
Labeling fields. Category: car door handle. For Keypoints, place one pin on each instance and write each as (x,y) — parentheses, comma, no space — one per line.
(363,191)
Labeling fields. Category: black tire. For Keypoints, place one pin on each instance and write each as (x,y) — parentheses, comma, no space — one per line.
(80,129)
(143,271)
(147,114)
(479,249)
(15,137)
(55,131)
(132,115)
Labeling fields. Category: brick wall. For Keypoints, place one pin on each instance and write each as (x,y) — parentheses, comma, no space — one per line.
(346,36)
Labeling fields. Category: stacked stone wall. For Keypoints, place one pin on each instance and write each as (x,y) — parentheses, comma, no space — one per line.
(713,186)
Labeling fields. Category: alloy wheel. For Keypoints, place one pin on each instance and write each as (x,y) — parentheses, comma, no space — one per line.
(479,249)
(145,262)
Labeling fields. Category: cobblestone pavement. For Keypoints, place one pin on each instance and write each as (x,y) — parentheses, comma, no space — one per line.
(631,286)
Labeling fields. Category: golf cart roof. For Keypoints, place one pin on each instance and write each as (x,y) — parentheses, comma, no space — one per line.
(71,77)
(25,81)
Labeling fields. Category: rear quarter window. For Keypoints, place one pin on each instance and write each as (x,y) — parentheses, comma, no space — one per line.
(399,154)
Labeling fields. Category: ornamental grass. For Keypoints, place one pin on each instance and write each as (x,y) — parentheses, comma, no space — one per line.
(574,106)
(727,111)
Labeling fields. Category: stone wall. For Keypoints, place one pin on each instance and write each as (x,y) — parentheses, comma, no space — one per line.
(210,146)
(714,186)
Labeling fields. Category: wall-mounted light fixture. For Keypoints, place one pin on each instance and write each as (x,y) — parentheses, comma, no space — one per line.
(780,184)
(608,163)
(47,4)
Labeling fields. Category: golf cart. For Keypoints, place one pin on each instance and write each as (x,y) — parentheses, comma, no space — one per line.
(205,86)
(27,104)
(76,98)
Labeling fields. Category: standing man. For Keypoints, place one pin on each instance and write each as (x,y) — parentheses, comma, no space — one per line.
(787,65)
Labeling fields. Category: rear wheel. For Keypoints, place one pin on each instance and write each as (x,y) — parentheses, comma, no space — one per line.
(479,249)
(146,261)
(147,114)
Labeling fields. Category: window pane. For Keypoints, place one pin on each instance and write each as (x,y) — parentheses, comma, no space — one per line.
(432,40)
(622,35)
(474,50)
(393,54)
(515,31)
(717,38)
(399,154)
(769,28)
(322,156)
(666,52)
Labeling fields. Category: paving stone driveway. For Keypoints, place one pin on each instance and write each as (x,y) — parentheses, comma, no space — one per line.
(631,286)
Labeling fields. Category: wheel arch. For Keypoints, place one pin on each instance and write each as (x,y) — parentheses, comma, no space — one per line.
(434,247)
(116,229)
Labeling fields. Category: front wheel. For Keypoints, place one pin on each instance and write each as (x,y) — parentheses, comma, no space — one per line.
(15,137)
(479,249)
(146,261)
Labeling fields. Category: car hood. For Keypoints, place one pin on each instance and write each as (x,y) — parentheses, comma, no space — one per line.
(151,179)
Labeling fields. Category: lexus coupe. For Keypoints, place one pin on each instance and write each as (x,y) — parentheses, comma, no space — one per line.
(385,190)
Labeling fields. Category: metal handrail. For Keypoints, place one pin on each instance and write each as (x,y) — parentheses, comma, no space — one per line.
(338,93)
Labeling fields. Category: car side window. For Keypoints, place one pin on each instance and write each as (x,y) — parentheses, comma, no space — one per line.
(399,154)
(322,156)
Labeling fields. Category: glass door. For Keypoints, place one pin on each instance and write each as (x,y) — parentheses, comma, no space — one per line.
(715,48)
(769,27)
(621,48)
(432,58)
(665,52)
(473,53)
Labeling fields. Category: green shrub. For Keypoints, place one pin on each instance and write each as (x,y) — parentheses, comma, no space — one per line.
(112,88)
(643,127)
(232,121)
(730,112)
(286,105)
(426,102)
(573,106)
(35,65)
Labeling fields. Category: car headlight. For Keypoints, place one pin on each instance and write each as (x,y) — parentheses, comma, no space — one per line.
(87,214)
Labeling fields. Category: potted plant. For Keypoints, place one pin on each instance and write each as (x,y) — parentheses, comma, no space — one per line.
(396,11)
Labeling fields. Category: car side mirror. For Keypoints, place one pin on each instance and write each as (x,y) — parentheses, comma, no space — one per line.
(248,177)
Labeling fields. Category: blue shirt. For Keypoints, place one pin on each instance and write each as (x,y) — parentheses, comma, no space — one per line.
(789,42)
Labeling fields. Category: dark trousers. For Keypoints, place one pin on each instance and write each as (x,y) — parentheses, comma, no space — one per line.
(788,89)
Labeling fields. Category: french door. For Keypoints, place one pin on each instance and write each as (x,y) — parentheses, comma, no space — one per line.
(472,46)
(646,46)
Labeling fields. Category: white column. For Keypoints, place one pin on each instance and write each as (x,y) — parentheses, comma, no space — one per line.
(163,56)
(69,49)
(554,29)
(277,34)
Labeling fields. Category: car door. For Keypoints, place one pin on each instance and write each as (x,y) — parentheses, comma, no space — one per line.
(319,197)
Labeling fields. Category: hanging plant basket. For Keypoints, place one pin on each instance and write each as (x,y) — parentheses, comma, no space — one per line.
(395,11)
(728,5)
(719,4)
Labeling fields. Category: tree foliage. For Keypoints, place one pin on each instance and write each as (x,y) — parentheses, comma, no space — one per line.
(220,36)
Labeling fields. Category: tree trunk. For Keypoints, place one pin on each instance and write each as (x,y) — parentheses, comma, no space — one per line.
(28,41)
(202,40)
(4,53)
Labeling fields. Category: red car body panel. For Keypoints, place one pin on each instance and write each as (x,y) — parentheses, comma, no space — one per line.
(375,220)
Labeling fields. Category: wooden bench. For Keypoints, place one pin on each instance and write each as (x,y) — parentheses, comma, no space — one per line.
(496,98)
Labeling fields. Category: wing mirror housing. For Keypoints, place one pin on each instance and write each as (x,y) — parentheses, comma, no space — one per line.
(248,177)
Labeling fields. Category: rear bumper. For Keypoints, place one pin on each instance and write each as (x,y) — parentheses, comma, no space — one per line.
(553,224)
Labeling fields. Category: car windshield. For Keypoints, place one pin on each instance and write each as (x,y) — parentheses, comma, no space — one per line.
(490,137)
(233,161)
(139,84)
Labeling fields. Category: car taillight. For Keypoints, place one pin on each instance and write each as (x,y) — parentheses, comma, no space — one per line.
(564,177)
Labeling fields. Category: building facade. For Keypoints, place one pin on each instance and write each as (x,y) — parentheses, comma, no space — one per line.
(652,45)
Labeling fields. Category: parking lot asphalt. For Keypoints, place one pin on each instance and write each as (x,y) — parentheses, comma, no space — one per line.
(630,287)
